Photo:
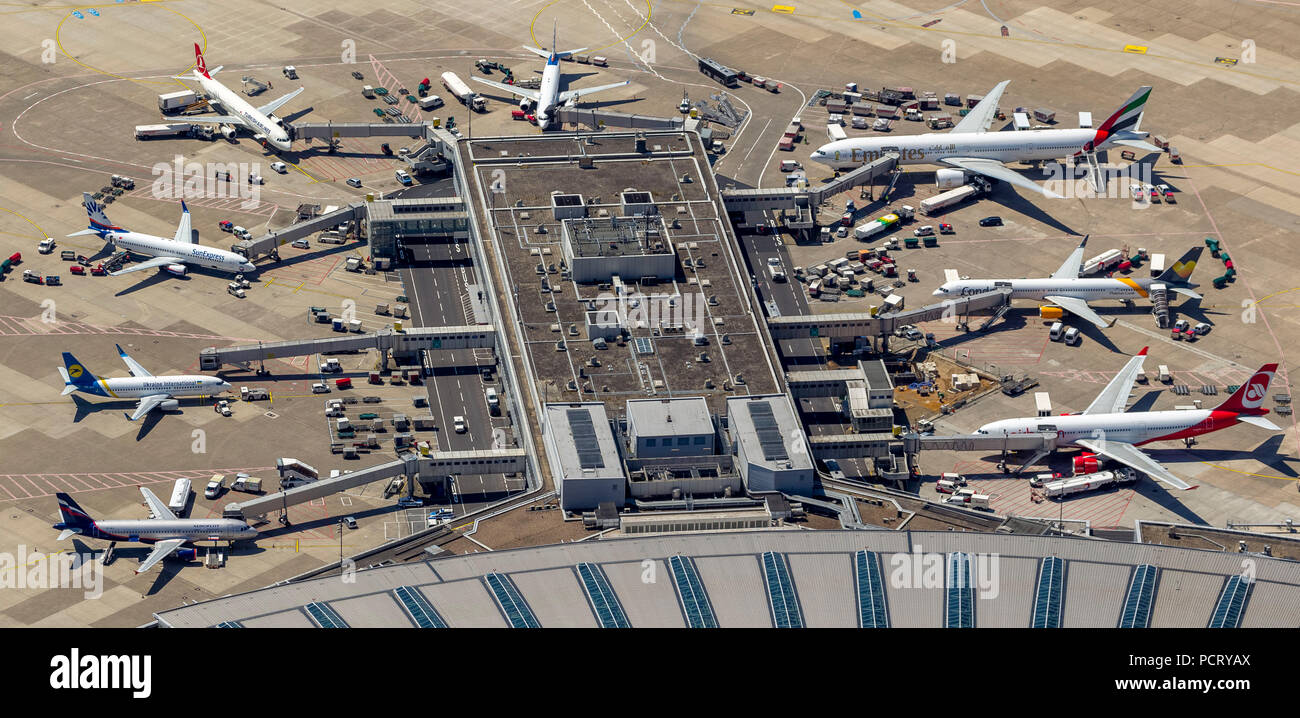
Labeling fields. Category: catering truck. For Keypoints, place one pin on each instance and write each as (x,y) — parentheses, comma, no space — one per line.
(939,202)
(461,91)
(174,101)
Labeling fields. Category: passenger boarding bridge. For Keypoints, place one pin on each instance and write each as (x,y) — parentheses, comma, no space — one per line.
(482,336)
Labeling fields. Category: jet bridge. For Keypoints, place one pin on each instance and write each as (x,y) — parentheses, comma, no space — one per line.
(482,336)
(849,326)
(334,130)
(851,446)
(606,118)
(256,248)
(445,463)
(777,198)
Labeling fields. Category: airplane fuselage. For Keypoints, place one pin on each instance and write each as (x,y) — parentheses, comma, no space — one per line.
(549,93)
(1130,428)
(154,246)
(154,530)
(931,148)
(253,120)
(137,387)
(1087,289)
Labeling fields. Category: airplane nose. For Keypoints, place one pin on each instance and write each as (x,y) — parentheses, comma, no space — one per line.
(937,293)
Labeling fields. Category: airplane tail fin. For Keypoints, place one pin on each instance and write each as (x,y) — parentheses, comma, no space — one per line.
(1247,399)
(74,518)
(1179,272)
(200,65)
(99,221)
(1128,118)
(75,375)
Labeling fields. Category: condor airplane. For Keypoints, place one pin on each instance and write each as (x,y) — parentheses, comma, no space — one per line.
(257,120)
(970,147)
(154,392)
(1069,292)
(171,254)
(164,531)
(549,97)
(1105,429)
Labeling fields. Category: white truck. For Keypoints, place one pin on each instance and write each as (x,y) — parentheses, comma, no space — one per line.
(244,482)
(1103,262)
(970,499)
(149,132)
(461,92)
(174,101)
(835,132)
(214,487)
(932,205)
(1089,482)
(432,102)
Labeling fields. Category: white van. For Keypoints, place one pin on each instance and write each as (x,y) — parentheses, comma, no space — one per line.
(493,402)
(1072,337)
(1057,331)
(280,167)
(789,165)
(431,102)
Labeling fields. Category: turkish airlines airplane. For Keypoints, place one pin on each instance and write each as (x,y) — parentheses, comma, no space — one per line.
(257,120)
(170,254)
(1068,291)
(154,392)
(970,147)
(164,531)
(1105,429)
(549,97)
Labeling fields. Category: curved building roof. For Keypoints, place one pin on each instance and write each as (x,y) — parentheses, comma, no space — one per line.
(790,578)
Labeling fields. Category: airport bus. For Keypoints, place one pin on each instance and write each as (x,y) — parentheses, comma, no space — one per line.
(719,72)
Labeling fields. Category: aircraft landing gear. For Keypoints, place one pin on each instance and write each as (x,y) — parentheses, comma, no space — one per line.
(1189,441)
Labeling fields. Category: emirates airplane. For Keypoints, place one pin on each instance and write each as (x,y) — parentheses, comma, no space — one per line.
(257,120)
(1105,429)
(549,97)
(970,147)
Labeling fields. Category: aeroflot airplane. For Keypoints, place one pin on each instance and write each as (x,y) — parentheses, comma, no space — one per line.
(1107,430)
(549,97)
(257,120)
(166,532)
(172,254)
(154,392)
(1068,291)
(970,147)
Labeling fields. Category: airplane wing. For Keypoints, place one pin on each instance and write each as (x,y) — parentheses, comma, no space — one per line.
(1131,456)
(575,94)
(1112,399)
(217,120)
(183,233)
(1079,308)
(156,506)
(161,550)
(997,170)
(274,105)
(979,118)
(148,404)
(530,94)
(149,264)
(131,364)
(1072,266)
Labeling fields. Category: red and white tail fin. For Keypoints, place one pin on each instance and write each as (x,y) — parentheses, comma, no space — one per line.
(1248,398)
(200,65)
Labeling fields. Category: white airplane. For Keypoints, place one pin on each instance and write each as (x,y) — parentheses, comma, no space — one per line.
(170,254)
(154,392)
(1105,429)
(166,532)
(257,120)
(549,97)
(1069,292)
(970,147)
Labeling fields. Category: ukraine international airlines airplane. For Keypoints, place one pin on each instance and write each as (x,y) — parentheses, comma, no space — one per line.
(1107,430)
(166,532)
(154,392)
(257,120)
(549,97)
(971,147)
(171,254)
(1067,290)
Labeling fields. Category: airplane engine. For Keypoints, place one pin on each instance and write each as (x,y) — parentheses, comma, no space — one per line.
(949,179)
(186,554)
(227,131)
(1087,463)
(1049,311)
(169,405)
(177,269)
(525,104)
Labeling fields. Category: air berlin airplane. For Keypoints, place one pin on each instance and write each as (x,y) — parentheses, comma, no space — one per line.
(1107,430)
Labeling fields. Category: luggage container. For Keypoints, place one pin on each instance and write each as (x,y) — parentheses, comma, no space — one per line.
(344,383)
